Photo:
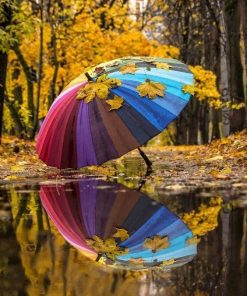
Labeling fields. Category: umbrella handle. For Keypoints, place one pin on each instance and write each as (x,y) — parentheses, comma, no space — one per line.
(88,76)
(144,156)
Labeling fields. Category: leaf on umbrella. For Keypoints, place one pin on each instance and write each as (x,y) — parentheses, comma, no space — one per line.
(128,69)
(149,60)
(136,261)
(167,262)
(193,240)
(188,88)
(99,70)
(121,233)
(113,82)
(115,103)
(163,66)
(98,89)
(108,247)
(110,82)
(156,243)
(151,89)
(100,246)
(93,90)
(113,64)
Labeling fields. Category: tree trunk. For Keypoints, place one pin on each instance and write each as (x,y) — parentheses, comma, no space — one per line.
(3,71)
(40,68)
(3,62)
(52,91)
(236,69)
(215,124)
(193,121)
(243,6)
(30,79)
(19,127)
(224,72)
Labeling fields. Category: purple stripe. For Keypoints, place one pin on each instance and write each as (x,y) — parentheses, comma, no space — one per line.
(88,198)
(102,142)
(85,149)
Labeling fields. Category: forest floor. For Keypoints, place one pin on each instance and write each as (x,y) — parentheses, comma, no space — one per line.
(220,164)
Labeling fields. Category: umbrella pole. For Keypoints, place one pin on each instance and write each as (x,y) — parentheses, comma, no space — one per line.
(146,159)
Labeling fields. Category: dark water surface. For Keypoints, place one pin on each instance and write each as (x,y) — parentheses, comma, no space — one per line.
(43,226)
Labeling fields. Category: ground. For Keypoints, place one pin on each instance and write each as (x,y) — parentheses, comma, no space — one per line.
(219,165)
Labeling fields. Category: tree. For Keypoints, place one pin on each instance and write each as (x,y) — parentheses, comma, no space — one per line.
(5,20)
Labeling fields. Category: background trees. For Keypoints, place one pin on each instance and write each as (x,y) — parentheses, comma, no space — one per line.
(49,42)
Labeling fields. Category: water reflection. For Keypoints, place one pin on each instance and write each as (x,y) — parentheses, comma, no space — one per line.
(118,226)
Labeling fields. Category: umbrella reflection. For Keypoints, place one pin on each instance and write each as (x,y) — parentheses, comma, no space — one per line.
(118,226)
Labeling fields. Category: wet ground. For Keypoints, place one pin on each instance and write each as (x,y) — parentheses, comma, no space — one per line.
(38,256)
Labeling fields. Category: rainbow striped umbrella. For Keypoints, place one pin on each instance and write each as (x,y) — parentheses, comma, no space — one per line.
(112,109)
(118,226)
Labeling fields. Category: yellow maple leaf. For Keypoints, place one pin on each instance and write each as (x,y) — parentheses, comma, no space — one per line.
(167,262)
(93,90)
(98,89)
(115,103)
(128,69)
(136,261)
(100,246)
(156,243)
(188,88)
(151,89)
(108,246)
(121,233)
(163,66)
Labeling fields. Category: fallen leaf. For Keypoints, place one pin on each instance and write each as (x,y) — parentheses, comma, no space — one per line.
(151,89)
(156,243)
(128,69)
(136,261)
(167,262)
(98,89)
(215,158)
(115,103)
(163,66)
(108,247)
(226,171)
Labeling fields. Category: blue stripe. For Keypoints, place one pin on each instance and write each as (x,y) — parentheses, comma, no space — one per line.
(154,113)
(168,78)
(138,125)
(132,84)
(160,220)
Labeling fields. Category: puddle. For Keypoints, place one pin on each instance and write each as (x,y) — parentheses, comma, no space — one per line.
(94,236)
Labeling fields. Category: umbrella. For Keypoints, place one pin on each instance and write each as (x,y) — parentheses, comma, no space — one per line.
(118,226)
(112,109)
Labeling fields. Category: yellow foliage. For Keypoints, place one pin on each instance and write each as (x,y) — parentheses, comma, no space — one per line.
(82,42)
(205,87)
(205,219)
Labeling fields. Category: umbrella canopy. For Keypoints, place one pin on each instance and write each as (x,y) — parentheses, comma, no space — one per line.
(112,109)
(118,226)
